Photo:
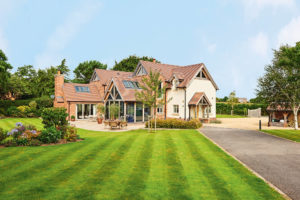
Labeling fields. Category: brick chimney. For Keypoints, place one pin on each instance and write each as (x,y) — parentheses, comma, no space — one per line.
(59,82)
(154,60)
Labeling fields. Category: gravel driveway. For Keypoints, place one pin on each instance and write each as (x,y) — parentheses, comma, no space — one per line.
(275,159)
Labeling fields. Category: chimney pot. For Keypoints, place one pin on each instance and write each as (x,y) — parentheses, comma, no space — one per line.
(58,72)
(154,60)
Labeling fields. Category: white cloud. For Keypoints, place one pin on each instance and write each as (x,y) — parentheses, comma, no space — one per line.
(259,44)
(253,8)
(65,33)
(289,34)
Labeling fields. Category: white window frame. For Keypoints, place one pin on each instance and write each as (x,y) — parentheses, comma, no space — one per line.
(176,109)
(159,109)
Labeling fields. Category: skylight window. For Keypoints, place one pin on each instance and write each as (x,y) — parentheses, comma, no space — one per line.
(82,89)
(131,84)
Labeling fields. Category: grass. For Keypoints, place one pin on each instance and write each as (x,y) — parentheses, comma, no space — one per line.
(288,134)
(230,116)
(170,164)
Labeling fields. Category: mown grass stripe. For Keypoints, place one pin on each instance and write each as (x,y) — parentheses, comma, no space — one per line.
(34,166)
(214,179)
(136,183)
(178,185)
(93,185)
(240,173)
(199,185)
(89,154)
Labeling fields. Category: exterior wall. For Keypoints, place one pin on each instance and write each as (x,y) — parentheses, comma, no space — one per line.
(201,85)
(59,82)
(175,97)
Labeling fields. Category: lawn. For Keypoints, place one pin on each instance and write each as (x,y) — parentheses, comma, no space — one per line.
(230,116)
(288,134)
(170,164)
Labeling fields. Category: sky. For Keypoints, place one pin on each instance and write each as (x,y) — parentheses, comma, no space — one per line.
(233,38)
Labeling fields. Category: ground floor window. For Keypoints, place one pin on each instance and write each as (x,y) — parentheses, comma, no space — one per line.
(84,111)
(176,109)
(159,109)
(130,112)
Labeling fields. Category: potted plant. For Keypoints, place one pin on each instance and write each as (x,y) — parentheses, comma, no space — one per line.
(72,118)
(101,113)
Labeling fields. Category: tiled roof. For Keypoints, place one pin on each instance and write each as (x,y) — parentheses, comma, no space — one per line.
(106,75)
(186,73)
(273,107)
(72,95)
(197,97)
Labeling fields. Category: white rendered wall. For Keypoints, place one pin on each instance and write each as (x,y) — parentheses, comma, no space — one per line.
(175,97)
(201,85)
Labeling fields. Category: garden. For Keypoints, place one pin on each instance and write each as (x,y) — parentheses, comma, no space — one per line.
(168,164)
(55,130)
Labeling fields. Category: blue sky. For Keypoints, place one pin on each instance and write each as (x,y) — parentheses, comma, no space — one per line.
(234,38)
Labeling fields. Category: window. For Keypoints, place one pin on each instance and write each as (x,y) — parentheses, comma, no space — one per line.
(176,109)
(159,109)
(201,74)
(160,90)
(82,89)
(131,84)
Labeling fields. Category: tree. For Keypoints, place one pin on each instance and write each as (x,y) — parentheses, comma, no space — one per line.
(5,67)
(64,69)
(151,91)
(232,100)
(84,71)
(280,83)
(45,82)
(129,64)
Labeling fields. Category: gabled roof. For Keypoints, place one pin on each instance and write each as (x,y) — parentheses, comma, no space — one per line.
(72,95)
(106,75)
(197,97)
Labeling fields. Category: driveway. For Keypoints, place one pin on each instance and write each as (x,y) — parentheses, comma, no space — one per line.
(275,159)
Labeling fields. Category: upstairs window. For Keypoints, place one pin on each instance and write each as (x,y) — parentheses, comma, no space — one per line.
(82,89)
(201,74)
(176,109)
(131,84)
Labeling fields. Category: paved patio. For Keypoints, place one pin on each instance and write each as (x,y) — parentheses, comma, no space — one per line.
(94,126)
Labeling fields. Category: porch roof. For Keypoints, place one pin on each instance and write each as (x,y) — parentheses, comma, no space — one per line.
(197,97)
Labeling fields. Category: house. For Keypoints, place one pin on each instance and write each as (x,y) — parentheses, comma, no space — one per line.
(190,93)
(242,100)
(281,115)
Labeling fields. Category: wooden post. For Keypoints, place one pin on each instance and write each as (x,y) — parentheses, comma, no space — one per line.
(125,111)
(285,120)
(143,113)
(134,112)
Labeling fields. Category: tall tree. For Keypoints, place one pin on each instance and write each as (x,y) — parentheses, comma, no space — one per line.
(232,99)
(281,81)
(129,64)
(84,71)
(64,69)
(5,67)
(150,93)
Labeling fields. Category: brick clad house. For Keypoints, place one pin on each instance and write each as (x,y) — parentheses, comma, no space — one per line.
(190,93)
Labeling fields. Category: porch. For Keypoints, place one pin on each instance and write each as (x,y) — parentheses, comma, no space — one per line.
(199,107)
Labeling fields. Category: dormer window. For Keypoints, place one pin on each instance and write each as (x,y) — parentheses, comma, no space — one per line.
(141,71)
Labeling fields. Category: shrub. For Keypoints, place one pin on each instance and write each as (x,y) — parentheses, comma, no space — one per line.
(176,123)
(13,111)
(71,134)
(10,143)
(50,135)
(35,142)
(56,117)
(23,134)
(240,108)
(3,134)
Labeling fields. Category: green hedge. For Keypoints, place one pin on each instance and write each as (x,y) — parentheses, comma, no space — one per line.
(7,106)
(176,123)
(240,108)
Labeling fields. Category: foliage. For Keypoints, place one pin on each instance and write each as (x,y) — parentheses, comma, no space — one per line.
(114,111)
(129,64)
(3,134)
(72,117)
(225,108)
(84,71)
(50,135)
(71,134)
(150,93)
(54,117)
(23,134)
(13,111)
(64,69)
(176,123)
(232,100)
(101,110)
(280,83)
(222,99)
(5,67)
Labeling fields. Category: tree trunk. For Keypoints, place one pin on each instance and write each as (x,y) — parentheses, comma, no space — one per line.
(295,109)
(154,119)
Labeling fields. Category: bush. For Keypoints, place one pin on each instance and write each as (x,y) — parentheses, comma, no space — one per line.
(50,135)
(240,108)
(10,143)
(56,117)
(176,123)
(13,111)
(3,134)
(71,134)
(35,142)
